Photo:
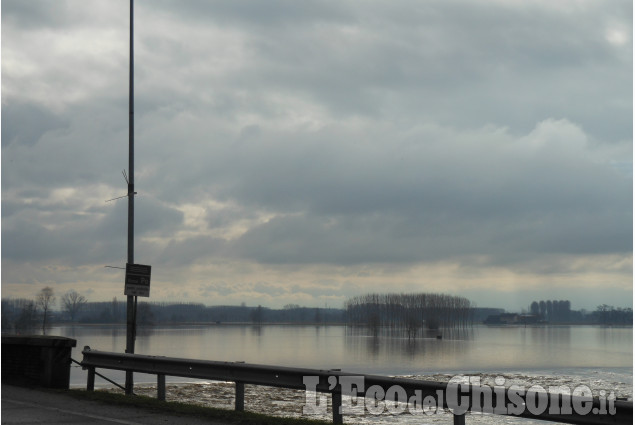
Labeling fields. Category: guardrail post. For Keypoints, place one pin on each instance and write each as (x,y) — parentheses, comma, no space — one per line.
(240,396)
(90,383)
(161,387)
(459,419)
(338,418)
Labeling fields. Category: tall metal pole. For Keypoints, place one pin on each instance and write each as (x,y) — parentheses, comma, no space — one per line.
(131,302)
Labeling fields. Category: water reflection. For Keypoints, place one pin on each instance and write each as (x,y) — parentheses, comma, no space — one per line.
(358,350)
(427,352)
(548,335)
(449,333)
(613,335)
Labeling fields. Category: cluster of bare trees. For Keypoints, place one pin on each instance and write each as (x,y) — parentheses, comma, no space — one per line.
(409,312)
(73,303)
(25,315)
(609,315)
(19,315)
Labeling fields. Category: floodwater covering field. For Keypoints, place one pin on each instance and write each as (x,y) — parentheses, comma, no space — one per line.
(598,357)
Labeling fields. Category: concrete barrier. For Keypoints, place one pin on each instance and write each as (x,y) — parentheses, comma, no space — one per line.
(37,360)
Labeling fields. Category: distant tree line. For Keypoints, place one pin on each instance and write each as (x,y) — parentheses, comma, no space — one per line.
(408,312)
(28,316)
(162,312)
(169,313)
(609,315)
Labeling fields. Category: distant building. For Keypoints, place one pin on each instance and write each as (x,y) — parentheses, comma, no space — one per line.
(480,314)
(511,319)
(528,319)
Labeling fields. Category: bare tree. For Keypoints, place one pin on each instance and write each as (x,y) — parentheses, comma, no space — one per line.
(73,302)
(45,300)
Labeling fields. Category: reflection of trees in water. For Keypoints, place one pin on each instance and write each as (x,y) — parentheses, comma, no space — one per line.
(391,342)
(548,334)
(409,314)
(397,334)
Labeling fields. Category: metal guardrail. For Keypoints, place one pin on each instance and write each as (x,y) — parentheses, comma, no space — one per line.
(473,397)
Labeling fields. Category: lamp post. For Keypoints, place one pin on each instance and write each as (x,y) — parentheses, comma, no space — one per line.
(131,310)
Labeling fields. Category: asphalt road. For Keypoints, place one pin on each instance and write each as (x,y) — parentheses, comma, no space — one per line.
(31,406)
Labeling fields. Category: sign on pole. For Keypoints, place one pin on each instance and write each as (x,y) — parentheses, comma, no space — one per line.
(137,280)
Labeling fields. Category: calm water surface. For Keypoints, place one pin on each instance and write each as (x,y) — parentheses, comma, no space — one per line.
(600,358)
(554,349)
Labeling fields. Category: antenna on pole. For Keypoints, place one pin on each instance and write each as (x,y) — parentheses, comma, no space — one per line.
(131,310)
(125,176)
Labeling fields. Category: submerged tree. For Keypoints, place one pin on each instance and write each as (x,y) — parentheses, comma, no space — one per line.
(73,302)
(409,312)
(45,300)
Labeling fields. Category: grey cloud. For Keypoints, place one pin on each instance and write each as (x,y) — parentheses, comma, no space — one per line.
(226,216)
(192,250)
(412,59)
(433,68)
(91,149)
(38,14)
(56,15)
(433,204)
(390,238)
(24,239)
(371,132)
(274,13)
(331,173)
(323,240)
(65,233)
(156,218)
(430,193)
(24,123)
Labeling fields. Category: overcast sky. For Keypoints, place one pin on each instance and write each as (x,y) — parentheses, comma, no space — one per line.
(308,151)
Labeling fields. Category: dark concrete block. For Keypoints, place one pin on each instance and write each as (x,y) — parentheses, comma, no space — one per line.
(37,360)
